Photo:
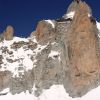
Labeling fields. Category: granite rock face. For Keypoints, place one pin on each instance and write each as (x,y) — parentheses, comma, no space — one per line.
(83,51)
(63,51)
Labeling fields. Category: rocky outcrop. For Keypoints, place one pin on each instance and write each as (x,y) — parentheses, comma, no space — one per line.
(8,34)
(83,51)
(75,5)
(44,31)
(63,51)
(79,66)
(4,79)
(1,37)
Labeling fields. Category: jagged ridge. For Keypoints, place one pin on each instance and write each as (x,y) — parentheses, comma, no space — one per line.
(62,51)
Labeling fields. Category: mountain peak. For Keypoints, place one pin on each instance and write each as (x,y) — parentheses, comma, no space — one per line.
(77,5)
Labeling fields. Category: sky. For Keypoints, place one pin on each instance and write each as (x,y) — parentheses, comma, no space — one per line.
(24,15)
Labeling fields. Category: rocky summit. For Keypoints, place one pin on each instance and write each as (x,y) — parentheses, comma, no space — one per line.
(64,51)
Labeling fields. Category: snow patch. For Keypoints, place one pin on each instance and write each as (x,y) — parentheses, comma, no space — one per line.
(51,22)
(98,27)
(53,43)
(54,54)
(33,38)
(89,15)
(15,39)
(20,60)
(69,15)
(39,48)
(5,91)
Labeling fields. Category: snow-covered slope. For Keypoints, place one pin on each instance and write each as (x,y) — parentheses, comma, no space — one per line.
(56,92)
(17,56)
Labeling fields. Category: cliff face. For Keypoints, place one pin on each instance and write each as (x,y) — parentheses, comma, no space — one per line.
(63,51)
(83,51)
